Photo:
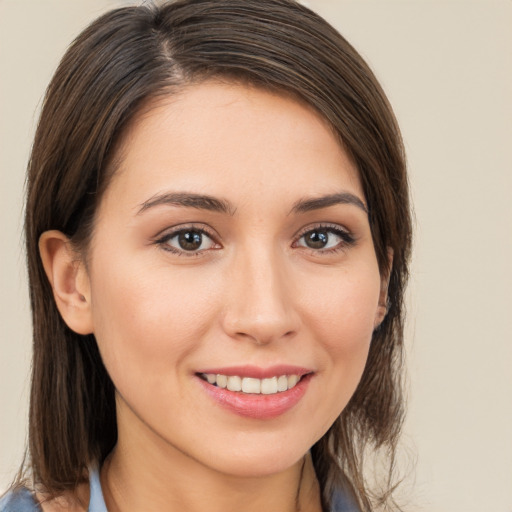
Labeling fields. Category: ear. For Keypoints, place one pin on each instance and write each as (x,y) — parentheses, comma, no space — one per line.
(69,280)
(383,306)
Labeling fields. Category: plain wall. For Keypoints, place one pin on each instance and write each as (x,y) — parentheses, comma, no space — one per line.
(446,68)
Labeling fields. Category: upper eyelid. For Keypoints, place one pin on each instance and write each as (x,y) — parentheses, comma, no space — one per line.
(348,238)
(166,235)
(322,225)
(169,232)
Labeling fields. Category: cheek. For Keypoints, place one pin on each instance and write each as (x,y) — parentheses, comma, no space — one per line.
(341,316)
(343,309)
(147,324)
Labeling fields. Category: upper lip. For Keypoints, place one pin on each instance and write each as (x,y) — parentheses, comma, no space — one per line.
(257,372)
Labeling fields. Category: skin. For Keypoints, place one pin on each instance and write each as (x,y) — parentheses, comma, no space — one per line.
(254,293)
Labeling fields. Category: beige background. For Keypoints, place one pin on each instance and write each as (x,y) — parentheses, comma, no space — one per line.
(446,68)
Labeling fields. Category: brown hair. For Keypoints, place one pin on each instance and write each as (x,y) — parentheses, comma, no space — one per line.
(128,56)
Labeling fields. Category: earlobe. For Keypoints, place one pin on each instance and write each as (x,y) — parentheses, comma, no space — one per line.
(384,302)
(382,311)
(69,280)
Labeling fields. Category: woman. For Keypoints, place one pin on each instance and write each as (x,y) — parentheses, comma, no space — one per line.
(218,232)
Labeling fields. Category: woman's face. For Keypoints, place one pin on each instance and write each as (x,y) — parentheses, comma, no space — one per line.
(232,248)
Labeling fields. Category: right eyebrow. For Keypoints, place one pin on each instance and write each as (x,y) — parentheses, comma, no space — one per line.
(188,200)
(317,203)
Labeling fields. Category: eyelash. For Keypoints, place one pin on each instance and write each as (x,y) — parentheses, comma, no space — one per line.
(164,240)
(348,240)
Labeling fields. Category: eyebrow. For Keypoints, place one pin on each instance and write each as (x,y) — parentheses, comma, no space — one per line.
(206,202)
(317,203)
(188,200)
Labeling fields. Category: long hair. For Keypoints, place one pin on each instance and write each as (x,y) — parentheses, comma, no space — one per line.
(129,56)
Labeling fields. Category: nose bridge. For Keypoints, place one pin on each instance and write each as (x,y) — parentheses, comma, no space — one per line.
(260,305)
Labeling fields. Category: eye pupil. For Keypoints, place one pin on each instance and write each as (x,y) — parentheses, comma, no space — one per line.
(317,239)
(190,240)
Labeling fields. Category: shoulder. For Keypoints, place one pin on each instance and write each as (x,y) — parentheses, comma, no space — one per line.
(19,500)
(341,502)
(68,501)
(23,500)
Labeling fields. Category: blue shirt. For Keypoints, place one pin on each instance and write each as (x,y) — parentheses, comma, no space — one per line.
(22,500)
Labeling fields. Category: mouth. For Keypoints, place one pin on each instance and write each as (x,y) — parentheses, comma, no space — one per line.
(254,392)
(252,385)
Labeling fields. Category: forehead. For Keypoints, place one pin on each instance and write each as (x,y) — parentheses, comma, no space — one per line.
(230,139)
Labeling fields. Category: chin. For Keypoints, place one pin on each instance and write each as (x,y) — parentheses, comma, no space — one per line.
(261,459)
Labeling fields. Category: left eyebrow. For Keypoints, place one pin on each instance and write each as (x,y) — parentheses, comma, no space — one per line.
(188,200)
(317,203)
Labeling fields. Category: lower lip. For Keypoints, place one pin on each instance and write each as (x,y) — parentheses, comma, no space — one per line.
(257,406)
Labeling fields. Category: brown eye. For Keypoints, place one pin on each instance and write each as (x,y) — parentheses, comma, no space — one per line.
(190,240)
(317,239)
(187,241)
(325,239)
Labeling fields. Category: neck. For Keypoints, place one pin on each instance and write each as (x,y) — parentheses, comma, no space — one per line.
(161,478)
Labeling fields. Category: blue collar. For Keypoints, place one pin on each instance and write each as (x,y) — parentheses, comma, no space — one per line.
(96,501)
(23,500)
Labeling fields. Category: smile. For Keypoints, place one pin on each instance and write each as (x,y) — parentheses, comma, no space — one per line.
(251,385)
(256,392)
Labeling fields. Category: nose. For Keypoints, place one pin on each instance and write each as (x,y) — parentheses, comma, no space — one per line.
(259,306)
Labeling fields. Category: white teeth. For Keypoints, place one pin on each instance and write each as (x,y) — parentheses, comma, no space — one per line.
(234,383)
(269,386)
(253,386)
(250,385)
(222,381)
(292,380)
(282,383)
